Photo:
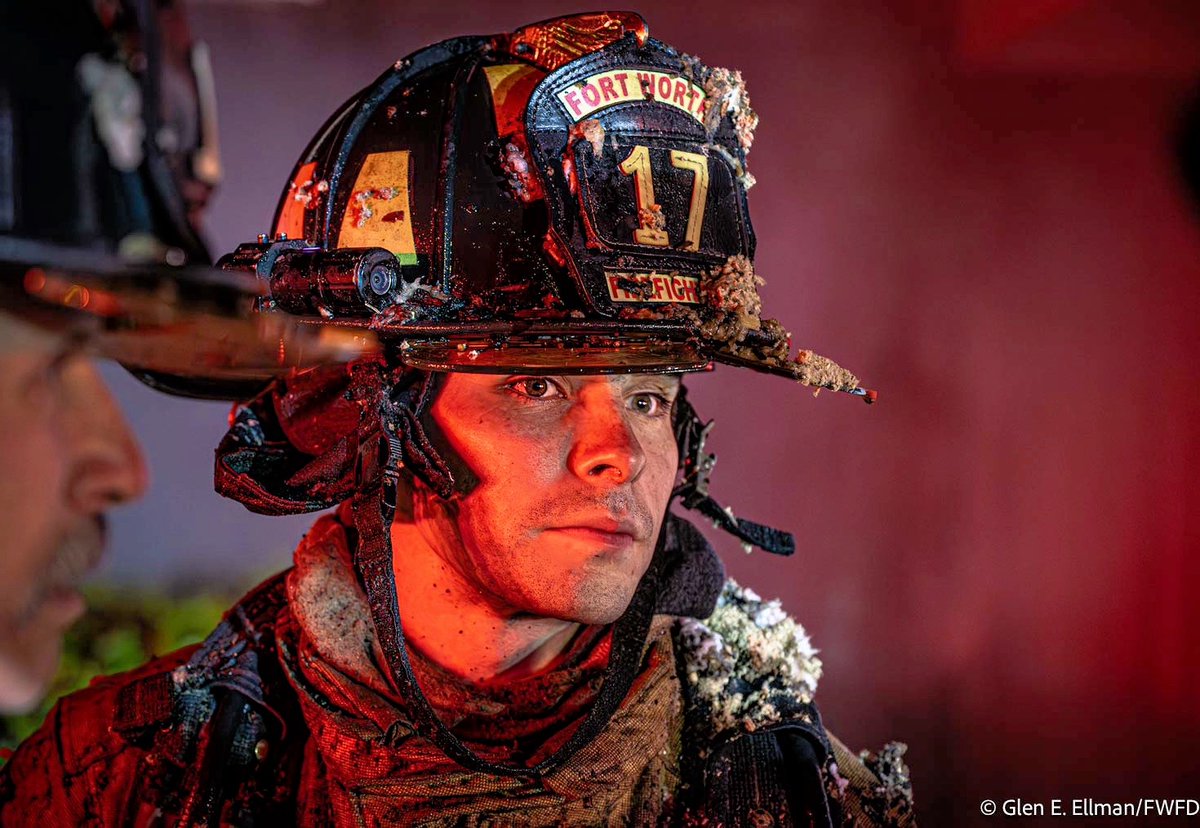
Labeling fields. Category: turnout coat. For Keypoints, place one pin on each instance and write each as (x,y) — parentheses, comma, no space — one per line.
(233,731)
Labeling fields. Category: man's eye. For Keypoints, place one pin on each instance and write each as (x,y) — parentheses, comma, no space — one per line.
(46,376)
(651,405)
(538,388)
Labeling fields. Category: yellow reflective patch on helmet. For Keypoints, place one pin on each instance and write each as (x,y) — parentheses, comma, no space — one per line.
(511,85)
(378,213)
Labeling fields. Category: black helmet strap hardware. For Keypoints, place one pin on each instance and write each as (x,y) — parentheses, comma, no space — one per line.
(408,446)
(697,464)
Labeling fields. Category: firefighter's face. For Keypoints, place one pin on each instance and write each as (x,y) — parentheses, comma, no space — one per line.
(573,476)
(68,456)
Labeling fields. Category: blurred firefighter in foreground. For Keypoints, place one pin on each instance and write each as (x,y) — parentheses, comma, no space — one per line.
(79,186)
(502,622)
(107,157)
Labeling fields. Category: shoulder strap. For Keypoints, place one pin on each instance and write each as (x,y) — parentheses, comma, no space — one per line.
(207,727)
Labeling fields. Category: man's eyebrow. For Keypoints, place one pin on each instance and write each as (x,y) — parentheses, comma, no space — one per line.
(666,382)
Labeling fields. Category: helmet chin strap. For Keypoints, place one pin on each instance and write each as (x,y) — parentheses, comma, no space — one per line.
(382,456)
(402,407)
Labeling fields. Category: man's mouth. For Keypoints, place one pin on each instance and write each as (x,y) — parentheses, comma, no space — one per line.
(608,532)
(58,593)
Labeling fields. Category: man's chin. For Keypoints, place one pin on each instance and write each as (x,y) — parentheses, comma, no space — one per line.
(595,616)
(595,591)
(596,604)
(28,664)
(31,647)
(57,609)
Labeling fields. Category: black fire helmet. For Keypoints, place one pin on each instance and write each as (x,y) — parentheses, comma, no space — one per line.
(568,198)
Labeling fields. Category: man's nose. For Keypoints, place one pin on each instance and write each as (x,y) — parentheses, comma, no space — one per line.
(107,467)
(606,450)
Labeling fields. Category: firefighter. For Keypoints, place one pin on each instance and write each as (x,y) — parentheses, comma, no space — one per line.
(107,157)
(501,622)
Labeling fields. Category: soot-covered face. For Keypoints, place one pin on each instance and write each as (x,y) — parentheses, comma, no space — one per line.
(573,476)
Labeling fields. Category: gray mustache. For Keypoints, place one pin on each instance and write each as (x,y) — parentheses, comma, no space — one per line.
(79,551)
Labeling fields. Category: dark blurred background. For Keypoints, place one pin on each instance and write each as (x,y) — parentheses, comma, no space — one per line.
(975,205)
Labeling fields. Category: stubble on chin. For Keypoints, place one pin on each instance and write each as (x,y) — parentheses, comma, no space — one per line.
(593,592)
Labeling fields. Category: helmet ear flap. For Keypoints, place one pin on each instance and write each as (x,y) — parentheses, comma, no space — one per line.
(414,440)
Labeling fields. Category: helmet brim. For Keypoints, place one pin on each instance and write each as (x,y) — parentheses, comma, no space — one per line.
(186,330)
(581,346)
